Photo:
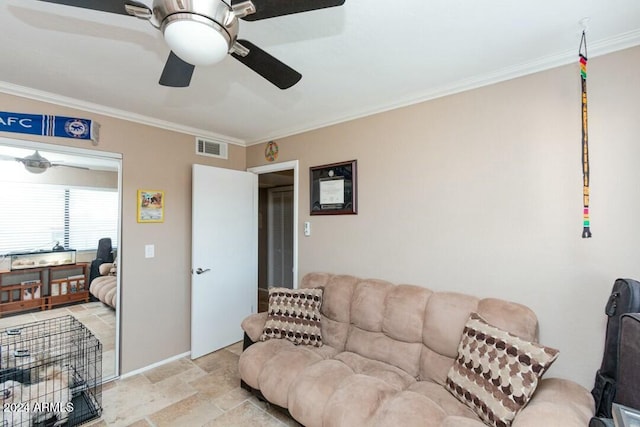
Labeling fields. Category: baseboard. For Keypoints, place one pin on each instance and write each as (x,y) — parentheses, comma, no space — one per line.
(154,365)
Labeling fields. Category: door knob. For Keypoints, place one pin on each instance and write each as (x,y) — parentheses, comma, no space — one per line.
(200,270)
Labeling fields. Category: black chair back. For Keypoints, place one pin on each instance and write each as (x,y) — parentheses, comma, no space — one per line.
(105,250)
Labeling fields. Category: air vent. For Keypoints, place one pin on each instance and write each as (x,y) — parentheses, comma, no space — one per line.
(204,147)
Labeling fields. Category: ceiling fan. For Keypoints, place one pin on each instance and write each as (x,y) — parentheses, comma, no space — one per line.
(203,32)
(35,163)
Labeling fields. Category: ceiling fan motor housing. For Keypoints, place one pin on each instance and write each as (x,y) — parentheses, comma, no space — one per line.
(35,163)
(214,14)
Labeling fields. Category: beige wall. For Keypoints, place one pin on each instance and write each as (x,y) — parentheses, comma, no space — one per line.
(155,292)
(480,192)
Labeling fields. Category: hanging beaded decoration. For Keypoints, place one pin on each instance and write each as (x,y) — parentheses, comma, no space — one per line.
(586,223)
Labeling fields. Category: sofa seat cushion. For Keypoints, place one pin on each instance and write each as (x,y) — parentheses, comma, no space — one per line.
(388,373)
(310,391)
(356,400)
(455,421)
(318,384)
(105,289)
(110,297)
(408,409)
(281,370)
(560,400)
(326,351)
(271,366)
(324,393)
(445,400)
(254,357)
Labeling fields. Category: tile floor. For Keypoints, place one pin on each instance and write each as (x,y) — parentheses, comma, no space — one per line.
(201,392)
(100,319)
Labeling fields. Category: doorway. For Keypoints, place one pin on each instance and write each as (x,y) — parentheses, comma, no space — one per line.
(75,182)
(277,231)
(280,233)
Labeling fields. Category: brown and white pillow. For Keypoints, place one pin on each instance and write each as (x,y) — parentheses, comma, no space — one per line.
(495,372)
(294,314)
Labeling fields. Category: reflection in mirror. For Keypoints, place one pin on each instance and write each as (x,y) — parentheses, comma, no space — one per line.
(59,238)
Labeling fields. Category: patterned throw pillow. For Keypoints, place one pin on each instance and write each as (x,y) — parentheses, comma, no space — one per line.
(496,373)
(294,314)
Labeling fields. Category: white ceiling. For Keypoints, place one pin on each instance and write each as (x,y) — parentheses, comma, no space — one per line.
(364,57)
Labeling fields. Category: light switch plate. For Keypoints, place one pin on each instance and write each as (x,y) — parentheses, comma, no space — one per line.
(149,251)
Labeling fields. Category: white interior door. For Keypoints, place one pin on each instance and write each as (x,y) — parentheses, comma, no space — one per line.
(224,256)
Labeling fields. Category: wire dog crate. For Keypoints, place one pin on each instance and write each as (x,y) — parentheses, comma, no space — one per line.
(50,374)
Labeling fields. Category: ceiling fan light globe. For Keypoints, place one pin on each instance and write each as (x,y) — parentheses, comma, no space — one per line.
(35,168)
(35,163)
(197,42)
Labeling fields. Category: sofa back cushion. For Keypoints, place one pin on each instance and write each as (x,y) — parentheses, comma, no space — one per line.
(336,305)
(445,319)
(410,327)
(368,304)
(404,308)
(378,330)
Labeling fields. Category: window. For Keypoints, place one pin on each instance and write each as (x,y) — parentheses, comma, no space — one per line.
(36,216)
(93,215)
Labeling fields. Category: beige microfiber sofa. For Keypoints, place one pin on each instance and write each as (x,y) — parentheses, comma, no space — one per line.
(387,350)
(104,287)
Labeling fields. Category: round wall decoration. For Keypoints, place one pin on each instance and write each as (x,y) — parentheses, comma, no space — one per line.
(271,151)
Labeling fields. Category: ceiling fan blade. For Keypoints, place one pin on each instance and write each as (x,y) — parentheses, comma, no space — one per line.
(111,6)
(267,66)
(272,8)
(70,166)
(176,73)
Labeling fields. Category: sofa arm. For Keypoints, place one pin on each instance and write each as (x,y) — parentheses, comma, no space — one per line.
(254,324)
(105,268)
(557,402)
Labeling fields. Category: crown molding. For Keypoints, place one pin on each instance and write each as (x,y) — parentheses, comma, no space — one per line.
(63,101)
(603,47)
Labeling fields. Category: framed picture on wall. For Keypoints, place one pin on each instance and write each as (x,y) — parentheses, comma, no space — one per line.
(150,206)
(333,189)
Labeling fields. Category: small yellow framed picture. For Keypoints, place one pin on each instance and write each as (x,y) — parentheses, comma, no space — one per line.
(150,206)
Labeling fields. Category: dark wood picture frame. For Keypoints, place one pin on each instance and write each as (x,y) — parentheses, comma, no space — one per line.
(334,189)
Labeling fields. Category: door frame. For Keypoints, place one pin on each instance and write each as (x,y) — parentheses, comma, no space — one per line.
(277,167)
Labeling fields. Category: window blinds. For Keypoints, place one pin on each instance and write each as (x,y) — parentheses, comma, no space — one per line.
(36,216)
